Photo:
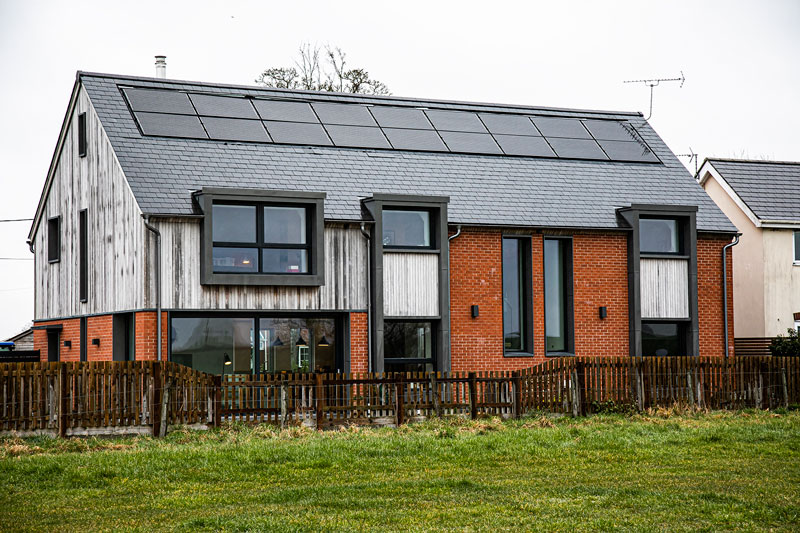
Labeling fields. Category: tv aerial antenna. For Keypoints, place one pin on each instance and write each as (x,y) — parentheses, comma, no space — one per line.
(655,83)
(692,157)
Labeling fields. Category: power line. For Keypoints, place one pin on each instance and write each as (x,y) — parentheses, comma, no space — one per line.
(16,258)
(17,220)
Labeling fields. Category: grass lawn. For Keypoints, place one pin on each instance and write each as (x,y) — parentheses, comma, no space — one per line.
(661,471)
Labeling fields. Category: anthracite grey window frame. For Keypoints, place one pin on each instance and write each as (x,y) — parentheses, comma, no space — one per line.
(796,236)
(83,339)
(414,360)
(315,243)
(82,141)
(83,255)
(568,312)
(431,237)
(54,239)
(524,259)
(682,327)
(679,237)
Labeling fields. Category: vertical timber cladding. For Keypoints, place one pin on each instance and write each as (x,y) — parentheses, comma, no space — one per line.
(392,272)
(643,289)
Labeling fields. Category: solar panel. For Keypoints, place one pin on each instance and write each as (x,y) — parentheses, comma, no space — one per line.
(156,101)
(297,133)
(455,121)
(235,129)
(171,125)
(508,124)
(608,130)
(285,110)
(344,114)
(524,145)
(576,148)
(561,127)
(358,136)
(415,139)
(400,117)
(223,106)
(474,143)
(628,151)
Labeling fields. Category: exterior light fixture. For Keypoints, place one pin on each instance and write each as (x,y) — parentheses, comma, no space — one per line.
(228,361)
(324,341)
(475,311)
(96,341)
(68,344)
(603,312)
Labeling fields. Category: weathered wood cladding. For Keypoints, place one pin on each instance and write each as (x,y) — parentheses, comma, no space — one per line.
(345,274)
(116,235)
(665,288)
(410,284)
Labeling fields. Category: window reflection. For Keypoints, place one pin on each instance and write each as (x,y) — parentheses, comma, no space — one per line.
(406,228)
(658,235)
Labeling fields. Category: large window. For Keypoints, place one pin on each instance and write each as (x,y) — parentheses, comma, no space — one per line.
(558,295)
(408,346)
(406,228)
(516,295)
(663,338)
(266,239)
(247,345)
(659,236)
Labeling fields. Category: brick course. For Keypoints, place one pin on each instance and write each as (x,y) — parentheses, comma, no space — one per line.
(359,352)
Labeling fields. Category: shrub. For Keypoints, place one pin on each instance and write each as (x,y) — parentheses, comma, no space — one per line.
(786,346)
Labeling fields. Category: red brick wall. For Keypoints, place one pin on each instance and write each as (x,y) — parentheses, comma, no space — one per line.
(600,279)
(146,332)
(100,327)
(709,295)
(97,327)
(359,352)
(600,274)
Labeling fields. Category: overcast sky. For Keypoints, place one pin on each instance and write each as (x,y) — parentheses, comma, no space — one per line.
(741,61)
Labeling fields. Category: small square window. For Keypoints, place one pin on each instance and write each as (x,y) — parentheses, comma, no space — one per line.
(405,228)
(662,339)
(659,236)
(408,340)
(54,239)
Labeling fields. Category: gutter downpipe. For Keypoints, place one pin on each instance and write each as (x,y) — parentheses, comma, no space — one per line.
(725,288)
(158,278)
(366,234)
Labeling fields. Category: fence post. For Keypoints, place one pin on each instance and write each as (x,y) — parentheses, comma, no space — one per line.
(63,415)
(516,381)
(473,395)
(437,406)
(689,386)
(576,397)
(785,388)
(283,404)
(763,375)
(157,394)
(320,401)
(639,384)
(399,407)
(164,406)
(581,381)
(217,401)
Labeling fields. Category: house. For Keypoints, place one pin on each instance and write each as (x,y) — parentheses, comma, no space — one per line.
(23,340)
(242,229)
(763,199)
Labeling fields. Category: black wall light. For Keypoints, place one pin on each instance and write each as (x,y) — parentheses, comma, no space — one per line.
(475,311)
(603,312)
(68,344)
(96,342)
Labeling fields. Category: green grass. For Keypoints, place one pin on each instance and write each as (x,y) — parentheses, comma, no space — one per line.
(662,471)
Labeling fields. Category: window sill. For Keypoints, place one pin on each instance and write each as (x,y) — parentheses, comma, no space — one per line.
(651,255)
(290,280)
(51,261)
(559,354)
(518,354)
(409,249)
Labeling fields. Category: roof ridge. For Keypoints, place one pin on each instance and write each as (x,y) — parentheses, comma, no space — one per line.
(349,96)
(752,161)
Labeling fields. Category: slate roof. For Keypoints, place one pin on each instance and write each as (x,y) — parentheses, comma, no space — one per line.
(483,189)
(771,189)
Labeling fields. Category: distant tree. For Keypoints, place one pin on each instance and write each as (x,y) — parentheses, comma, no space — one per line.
(322,70)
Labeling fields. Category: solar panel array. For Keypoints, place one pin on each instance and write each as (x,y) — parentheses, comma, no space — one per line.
(172,113)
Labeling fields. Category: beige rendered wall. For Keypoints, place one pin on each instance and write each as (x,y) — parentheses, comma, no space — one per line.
(781,281)
(748,266)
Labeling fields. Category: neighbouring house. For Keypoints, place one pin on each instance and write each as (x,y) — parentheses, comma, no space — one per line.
(23,340)
(763,199)
(280,230)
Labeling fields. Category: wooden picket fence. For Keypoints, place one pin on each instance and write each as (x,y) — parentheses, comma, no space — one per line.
(147,396)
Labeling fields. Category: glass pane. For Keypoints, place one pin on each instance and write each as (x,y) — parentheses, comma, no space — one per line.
(297,345)
(659,339)
(658,235)
(408,367)
(406,228)
(284,260)
(234,223)
(235,259)
(285,225)
(797,246)
(513,296)
(555,326)
(412,340)
(207,344)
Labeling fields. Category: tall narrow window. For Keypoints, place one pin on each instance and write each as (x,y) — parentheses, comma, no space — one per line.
(516,295)
(83,338)
(82,255)
(797,247)
(54,239)
(82,135)
(558,295)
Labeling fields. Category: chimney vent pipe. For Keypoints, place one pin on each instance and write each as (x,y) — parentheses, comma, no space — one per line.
(161,67)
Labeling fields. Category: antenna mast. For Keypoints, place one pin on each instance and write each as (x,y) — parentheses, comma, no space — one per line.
(655,83)
(692,157)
